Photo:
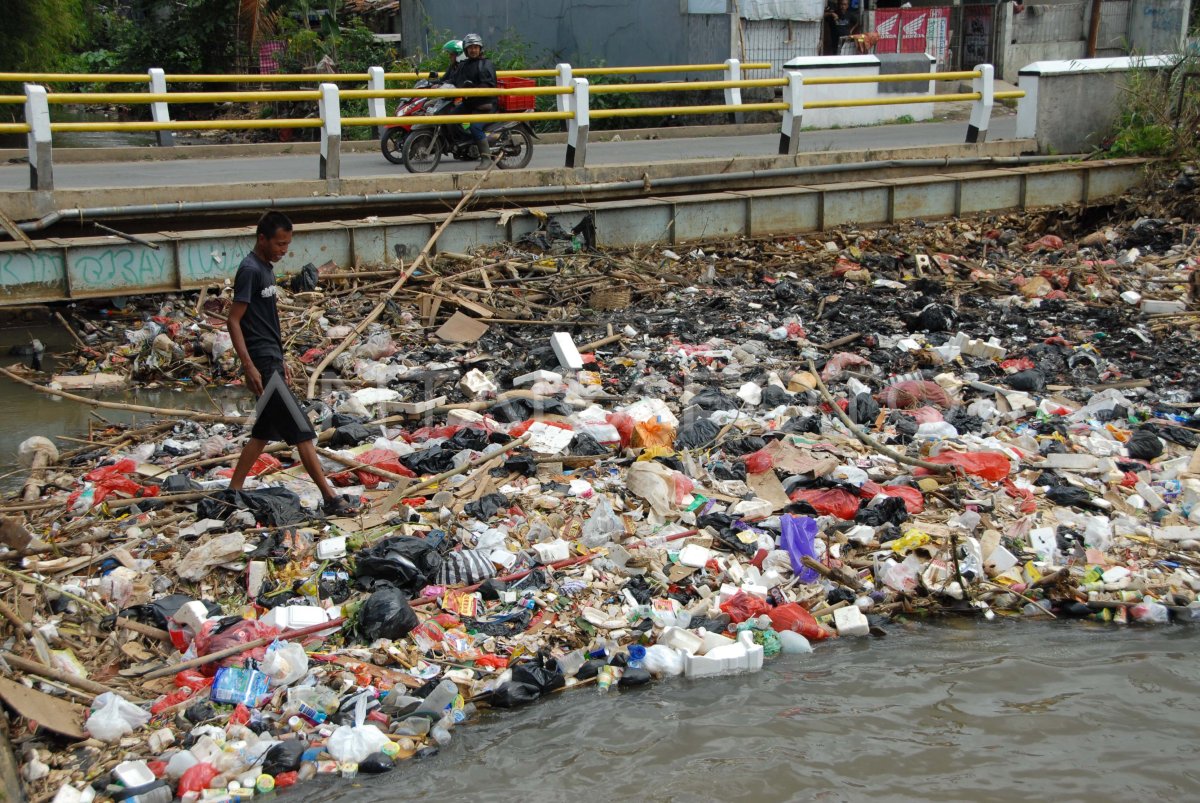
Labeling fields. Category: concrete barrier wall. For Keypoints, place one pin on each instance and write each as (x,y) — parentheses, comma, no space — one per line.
(837,66)
(1070,106)
(93,267)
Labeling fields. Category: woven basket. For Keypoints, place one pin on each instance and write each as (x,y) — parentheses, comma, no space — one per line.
(610,298)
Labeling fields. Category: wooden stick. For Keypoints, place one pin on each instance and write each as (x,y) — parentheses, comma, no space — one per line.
(135,408)
(58,547)
(35,668)
(74,336)
(357,466)
(841,341)
(145,630)
(16,621)
(238,649)
(604,341)
(421,259)
(400,493)
(835,575)
(29,579)
(936,468)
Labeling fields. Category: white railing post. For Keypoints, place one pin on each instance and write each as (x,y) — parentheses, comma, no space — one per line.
(376,107)
(793,116)
(41,152)
(330,109)
(563,78)
(577,126)
(733,94)
(981,110)
(159,112)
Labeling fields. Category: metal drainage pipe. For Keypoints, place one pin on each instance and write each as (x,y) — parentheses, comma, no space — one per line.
(185,207)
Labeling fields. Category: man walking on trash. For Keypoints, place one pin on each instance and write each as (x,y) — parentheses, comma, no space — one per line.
(254,330)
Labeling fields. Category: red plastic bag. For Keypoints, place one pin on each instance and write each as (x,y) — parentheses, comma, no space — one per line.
(191,679)
(914,500)
(993,466)
(240,633)
(174,698)
(797,619)
(123,485)
(240,715)
(914,393)
(741,606)
(117,469)
(196,779)
(428,433)
(624,424)
(758,462)
(383,458)
(829,501)
(683,487)
(523,427)
(927,415)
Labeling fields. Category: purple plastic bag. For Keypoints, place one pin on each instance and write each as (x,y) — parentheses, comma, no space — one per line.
(798,534)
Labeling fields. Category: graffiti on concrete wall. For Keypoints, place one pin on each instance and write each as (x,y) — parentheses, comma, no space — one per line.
(120,267)
(19,268)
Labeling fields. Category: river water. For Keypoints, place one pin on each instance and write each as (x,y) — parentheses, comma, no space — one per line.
(1001,711)
(953,710)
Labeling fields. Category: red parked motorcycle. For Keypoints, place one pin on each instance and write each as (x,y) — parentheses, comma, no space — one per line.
(392,141)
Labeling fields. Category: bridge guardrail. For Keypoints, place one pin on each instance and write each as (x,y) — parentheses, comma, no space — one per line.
(572,91)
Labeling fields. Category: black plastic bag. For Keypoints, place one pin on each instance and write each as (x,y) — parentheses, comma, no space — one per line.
(403,561)
(513,411)
(474,438)
(284,757)
(509,624)
(886,511)
(178,484)
(775,396)
(490,589)
(863,409)
(349,435)
(711,399)
(303,282)
(636,676)
(1144,445)
(1069,496)
(583,444)
(434,460)
(906,426)
(514,695)
(721,470)
(376,763)
(1027,381)
(801,425)
(386,614)
(543,673)
(272,507)
(696,433)
(740,446)
(934,318)
(590,669)
(487,506)
(163,608)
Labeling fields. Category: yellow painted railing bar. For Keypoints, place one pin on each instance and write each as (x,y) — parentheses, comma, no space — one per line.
(527,73)
(12,98)
(838,104)
(14,128)
(181,97)
(454,92)
(440,119)
(1008,94)
(662,111)
(893,78)
(72,78)
(266,78)
(188,125)
(680,86)
(586,71)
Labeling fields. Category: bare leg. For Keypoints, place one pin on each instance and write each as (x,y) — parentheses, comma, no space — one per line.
(250,452)
(312,464)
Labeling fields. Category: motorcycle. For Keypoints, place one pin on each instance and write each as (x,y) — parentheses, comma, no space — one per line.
(511,142)
(392,141)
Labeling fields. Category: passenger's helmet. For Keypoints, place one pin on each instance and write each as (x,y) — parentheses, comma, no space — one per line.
(472,39)
(454,47)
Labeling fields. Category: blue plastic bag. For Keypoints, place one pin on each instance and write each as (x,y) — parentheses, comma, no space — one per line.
(797,537)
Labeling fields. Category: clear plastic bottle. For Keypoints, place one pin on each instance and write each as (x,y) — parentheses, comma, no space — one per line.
(439,699)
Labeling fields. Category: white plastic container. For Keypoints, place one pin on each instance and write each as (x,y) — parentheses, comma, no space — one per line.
(295,617)
(679,639)
(742,656)
(850,621)
(191,615)
(332,548)
(551,551)
(695,556)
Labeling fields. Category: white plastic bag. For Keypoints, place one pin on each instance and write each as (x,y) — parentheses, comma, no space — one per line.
(355,742)
(113,717)
(285,663)
(602,525)
(662,661)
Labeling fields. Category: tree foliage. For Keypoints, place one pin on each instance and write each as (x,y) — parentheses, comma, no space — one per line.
(37,35)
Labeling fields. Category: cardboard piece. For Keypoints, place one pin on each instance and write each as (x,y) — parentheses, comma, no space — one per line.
(50,712)
(14,535)
(767,486)
(461,328)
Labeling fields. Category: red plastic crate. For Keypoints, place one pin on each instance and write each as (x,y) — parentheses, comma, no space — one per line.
(516,103)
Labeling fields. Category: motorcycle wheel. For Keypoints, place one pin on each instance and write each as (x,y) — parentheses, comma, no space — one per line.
(517,148)
(422,152)
(392,145)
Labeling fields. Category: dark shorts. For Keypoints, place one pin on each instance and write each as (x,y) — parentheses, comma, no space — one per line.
(279,416)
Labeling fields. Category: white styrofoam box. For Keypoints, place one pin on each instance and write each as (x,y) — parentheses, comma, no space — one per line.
(1000,561)
(695,556)
(191,615)
(332,548)
(727,592)
(651,410)
(1043,541)
(565,350)
(755,590)
(710,641)
(679,639)
(475,383)
(295,617)
(742,656)
(537,376)
(850,621)
(551,551)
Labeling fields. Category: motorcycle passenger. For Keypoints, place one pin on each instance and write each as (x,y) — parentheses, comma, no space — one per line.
(476,72)
(453,49)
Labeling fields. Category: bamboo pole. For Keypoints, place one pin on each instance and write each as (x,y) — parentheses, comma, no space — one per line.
(35,668)
(238,649)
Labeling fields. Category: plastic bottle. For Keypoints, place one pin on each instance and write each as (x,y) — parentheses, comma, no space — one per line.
(441,731)
(637,656)
(439,699)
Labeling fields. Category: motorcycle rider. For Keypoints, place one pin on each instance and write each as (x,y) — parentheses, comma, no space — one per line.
(476,72)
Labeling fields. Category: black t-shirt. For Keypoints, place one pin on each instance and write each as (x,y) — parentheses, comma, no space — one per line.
(254,285)
(842,26)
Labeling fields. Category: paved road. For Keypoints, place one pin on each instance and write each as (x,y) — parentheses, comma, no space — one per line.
(365,165)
